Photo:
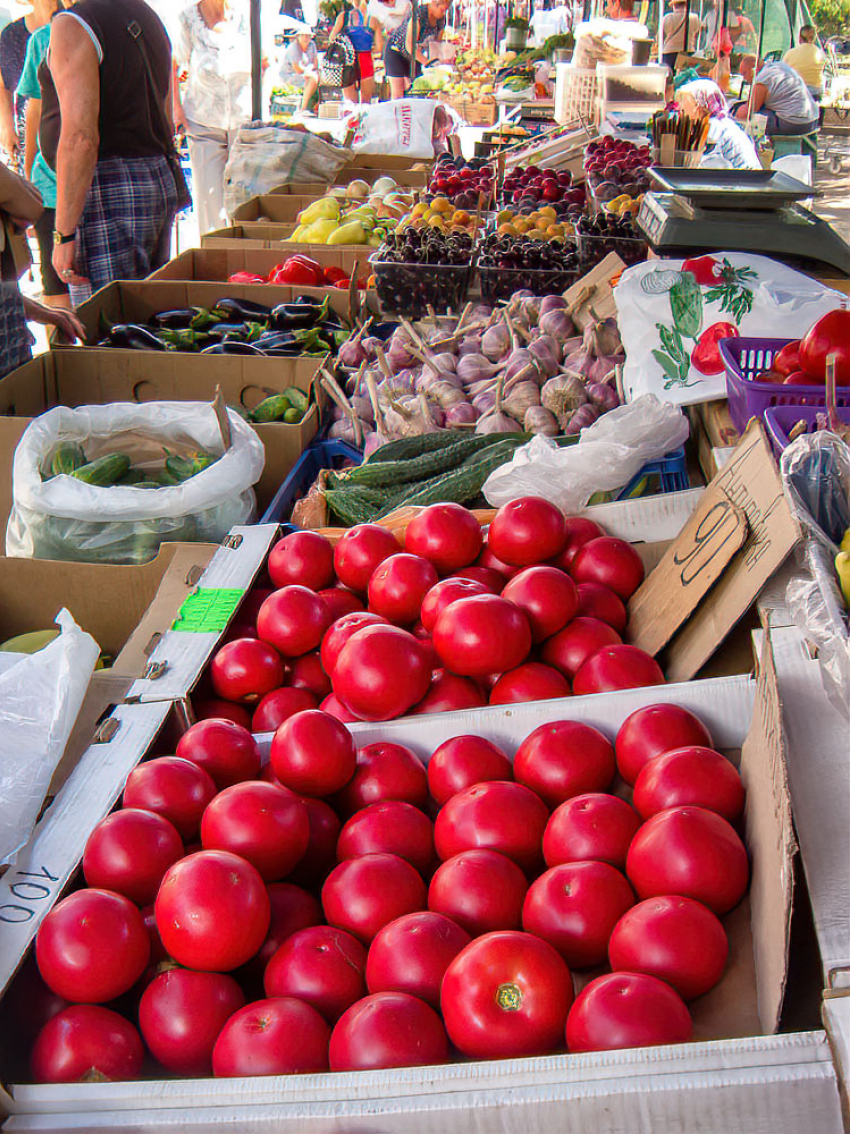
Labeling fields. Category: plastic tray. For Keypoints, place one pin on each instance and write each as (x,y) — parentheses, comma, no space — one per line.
(501,283)
(744,359)
(409,289)
(320,455)
(592,250)
(780,420)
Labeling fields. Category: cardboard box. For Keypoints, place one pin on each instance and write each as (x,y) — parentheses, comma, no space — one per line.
(256,234)
(411,179)
(276,208)
(219,263)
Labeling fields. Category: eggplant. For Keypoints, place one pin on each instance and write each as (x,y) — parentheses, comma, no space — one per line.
(290,350)
(223,331)
(276,339)
(185,340)
(177,319)
(243,310)
(131,336)
(232,346)
(289,316)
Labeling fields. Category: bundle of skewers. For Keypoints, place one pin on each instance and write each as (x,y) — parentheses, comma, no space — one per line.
(679,140)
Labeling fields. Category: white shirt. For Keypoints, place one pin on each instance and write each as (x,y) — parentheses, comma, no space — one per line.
(733,143)
(218,63)
(389,16)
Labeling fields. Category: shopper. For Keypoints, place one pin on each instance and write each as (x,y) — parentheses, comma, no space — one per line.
(780,94)
(430,22)
(704,99)
(384,17)
(741,30)
(213,50)
(352,23)
(807,59)
(675,39)
(106,131)
(300,67)
(13,50)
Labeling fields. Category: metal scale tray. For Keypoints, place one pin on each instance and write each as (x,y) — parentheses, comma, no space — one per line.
(738,189)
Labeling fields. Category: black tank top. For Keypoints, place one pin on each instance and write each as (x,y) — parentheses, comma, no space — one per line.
(127,124)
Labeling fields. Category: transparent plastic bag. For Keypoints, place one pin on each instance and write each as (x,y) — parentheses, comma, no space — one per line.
(40,697)
(64,518)
(815,601)
(609,453)
(815,472)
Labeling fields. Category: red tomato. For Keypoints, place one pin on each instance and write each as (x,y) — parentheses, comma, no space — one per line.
(389,1029)
(223,749)
(322,966)
(579,531)
(173,787)
(265,824)
(384,771)
(499,816)
(546,596)
(339,633)
(293,620)
(481,890)
(678,940)
(694,775)
(291,909)
(591,827)
(412,953)
(320,856)
(272,1037)
(575,907)
(447,693)
(447,535)
(381,672)
(828,336)
(481,635)
(307,673)
(364,894)
(305,558)
(335,708)
(92,946)
(801,378)
(279,705)
(492,580)
(398,586)
(597,601)
(617,667)
(313,754)
(359,552)
(224,710)
(339,602)
(129,851)
(611,562)
(181,1015)
(705,356)
(246,669)
(627,1010)
(489,561)
(564,758)
(528,530)
(463,761)
(529,682)
(653,730)
(389,827)
(787,360)
(445,592)
(506,995)
(212,911)
(690,852)
(86,1041)
(580,639)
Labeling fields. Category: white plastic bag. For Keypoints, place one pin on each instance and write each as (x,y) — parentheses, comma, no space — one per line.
(609,453)
(666,318)
(404,127)
(40,697)
(64,518)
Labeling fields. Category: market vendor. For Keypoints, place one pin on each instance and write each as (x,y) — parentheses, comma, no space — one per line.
(781,95)
(676,40)
(300,67)
(430,25)
(703,99)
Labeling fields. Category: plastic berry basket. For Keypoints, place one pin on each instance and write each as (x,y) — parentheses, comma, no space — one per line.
(744,359)
(409,289)
(500,283)
(780,420)
(592,250)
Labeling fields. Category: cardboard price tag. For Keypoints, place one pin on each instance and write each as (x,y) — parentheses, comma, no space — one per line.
(208,611)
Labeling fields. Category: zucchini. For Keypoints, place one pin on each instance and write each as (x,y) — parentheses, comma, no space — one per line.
(460,484)
(407,447)
(418,468)
(67,459)
(105,471)
(355,505)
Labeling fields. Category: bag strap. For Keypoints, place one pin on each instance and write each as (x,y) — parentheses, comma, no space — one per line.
(162,124)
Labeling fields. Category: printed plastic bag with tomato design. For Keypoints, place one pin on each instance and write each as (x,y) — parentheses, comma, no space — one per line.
(673,313)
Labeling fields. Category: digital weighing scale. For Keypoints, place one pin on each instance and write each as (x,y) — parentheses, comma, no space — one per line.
(739,211)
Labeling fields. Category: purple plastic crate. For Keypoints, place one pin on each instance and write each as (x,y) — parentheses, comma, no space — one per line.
(744,359)
(780,420)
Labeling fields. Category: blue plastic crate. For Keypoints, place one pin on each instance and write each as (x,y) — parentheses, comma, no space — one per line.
(672,473)
(320,455)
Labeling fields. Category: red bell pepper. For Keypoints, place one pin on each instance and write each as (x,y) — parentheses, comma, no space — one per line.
(298,270)
(245,278)
(333,275)
(343,283)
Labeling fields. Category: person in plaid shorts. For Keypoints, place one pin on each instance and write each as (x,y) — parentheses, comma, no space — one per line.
(116,197)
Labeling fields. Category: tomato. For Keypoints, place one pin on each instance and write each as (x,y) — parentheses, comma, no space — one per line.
(292,908)
(690,852)
(493,581)
(384,771)
(678,940)
(398,586)
(388,1029)
(590,827)
(85,1042)
(339,602)
(611,562)
(506,995)
(653,730)
(223,749)
(381,672)
(463,761)
(335,708)
(705,356)
(600,602)
(617,667)
(489,561)
(181,1015)
(26,1007)
(580,639)
(447,535)
(445,592)
(693,775)
(264,824)
(546,596)
(527,530)
(481,890)
(480,635)
(313,754)
(272,1037)
(129,851)
(359,552)
(575,907)
(308,673)
(306,558)
(499,816)
(447,693)
(705,269)
(389,827)
(92,946)
(246,669)
(627,1010)
(320,857)
(224,710)
(212,911)
(529,682)
(322,966)
(293,620)
(279,705)
(829,335)
(579,531)
(339,633)
(787,360)
(412,953)
(562,759)
(364,894)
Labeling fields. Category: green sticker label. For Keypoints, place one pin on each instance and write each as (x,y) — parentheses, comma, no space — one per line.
(208,611)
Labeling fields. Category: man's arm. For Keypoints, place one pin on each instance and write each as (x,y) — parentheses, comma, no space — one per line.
(18,198)
(74,67)
(759,95)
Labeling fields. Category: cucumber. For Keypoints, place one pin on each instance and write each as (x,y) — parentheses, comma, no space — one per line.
(67,459)
(354,505)
(406,447)
(460,484)
(297,398)
(418,468)
(270,409)
(105,471)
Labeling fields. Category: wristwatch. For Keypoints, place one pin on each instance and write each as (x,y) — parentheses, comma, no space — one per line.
(61,238)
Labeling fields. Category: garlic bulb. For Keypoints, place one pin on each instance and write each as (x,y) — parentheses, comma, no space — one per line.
(522,397)
(562,395)
(540,420)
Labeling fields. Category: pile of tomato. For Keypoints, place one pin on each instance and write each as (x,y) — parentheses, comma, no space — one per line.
(351,909)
